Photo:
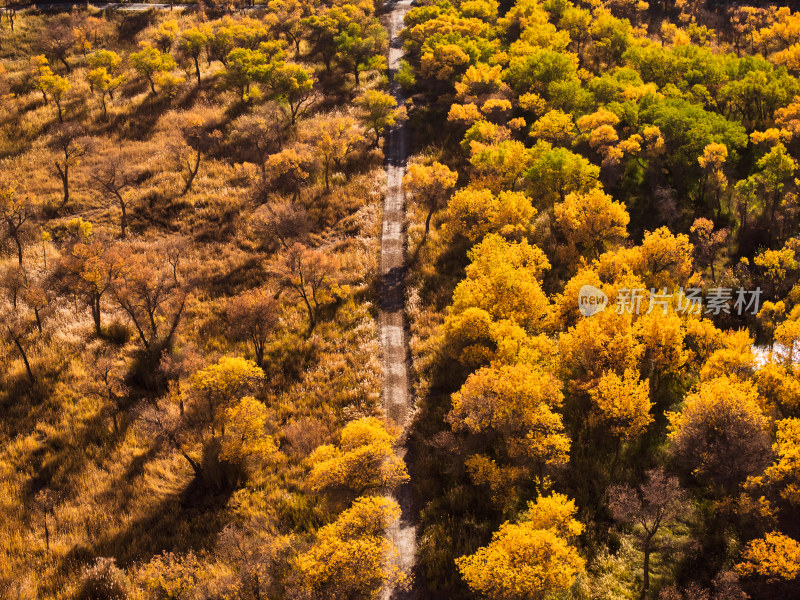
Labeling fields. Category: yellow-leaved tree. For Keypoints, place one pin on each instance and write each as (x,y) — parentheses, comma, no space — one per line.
(245,439)
(662,337)
(592,221)
(622,404)
(430,186)
(528,559)
(475,339)
(514,404)
(555,127)
(605,342)
(364,460)
(774,557)
(665,259)
(220,384)
(733,357)
(474,213)
(783,475)
(509,412)
(779,386)
(352,557)
(503,279)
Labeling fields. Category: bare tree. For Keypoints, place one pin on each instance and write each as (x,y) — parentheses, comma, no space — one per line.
(111,179)
(25,292)
(289,170)
(58,39)
(309,273)
(11,12)
(71,145)
(647,508)
(13,281)
(20,325)
(261,133)
(168,425)
(252,317)
(37,298)
(198,139)
(108,384)
(151,291)
(260,559)
(284,222)
(708,243)
(46,500)
(724,587)
(177,366)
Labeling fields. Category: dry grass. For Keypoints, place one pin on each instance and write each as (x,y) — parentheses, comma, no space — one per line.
(120,494)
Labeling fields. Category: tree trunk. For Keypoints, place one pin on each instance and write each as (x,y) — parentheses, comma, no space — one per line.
(25,360)
(197,69)
(198,471)
(312,321)
(123,224)
(646,569)
(174,326)
(46,533)
(95,305)
(192,174)
(19,247)
(427,225)
(63,174)
(259,351)
(65,182)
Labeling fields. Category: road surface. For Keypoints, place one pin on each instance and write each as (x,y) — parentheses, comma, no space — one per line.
(397,400)
(127,7)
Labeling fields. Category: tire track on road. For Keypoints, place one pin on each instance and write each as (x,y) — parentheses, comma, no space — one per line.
(397,400)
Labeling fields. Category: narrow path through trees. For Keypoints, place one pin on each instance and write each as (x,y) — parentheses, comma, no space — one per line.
(397,400)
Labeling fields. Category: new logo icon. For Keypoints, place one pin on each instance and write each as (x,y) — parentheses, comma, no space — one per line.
(591,300)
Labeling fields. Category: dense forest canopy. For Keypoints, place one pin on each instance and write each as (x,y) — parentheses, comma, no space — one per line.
(647,154)
(602,298)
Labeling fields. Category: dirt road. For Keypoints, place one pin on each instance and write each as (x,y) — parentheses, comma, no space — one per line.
(397,400)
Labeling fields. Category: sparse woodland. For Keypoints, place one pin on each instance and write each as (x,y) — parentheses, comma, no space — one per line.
(190,375)
(191,210)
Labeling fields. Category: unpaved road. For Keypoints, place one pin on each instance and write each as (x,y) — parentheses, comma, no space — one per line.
(397,400)
(125,7)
